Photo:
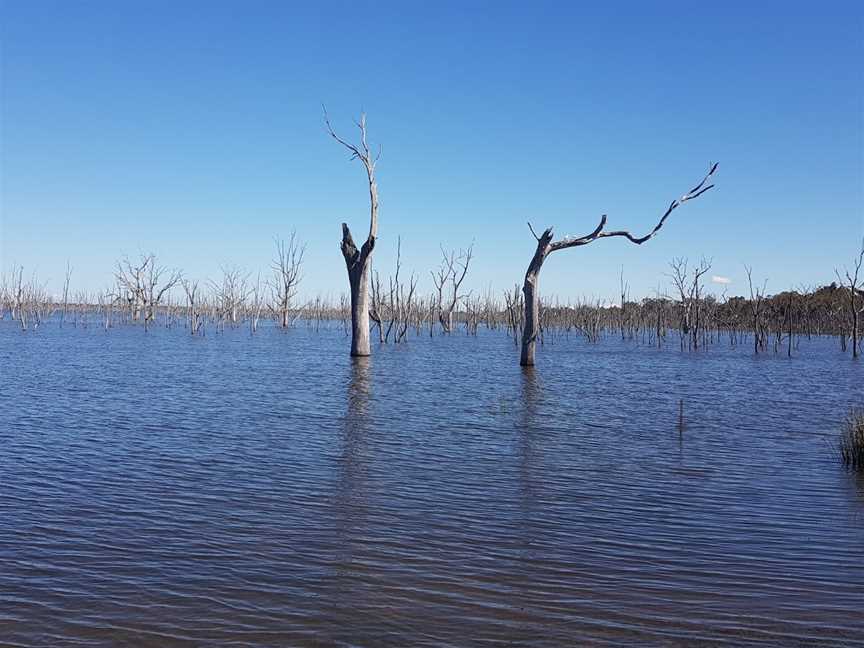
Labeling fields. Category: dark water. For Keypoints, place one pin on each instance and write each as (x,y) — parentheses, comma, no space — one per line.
(157,490)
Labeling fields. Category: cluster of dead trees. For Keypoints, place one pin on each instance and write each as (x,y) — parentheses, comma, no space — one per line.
(147,293)
(25,299)
(681,314)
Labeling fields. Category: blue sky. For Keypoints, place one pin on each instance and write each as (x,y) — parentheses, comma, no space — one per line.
(194,130)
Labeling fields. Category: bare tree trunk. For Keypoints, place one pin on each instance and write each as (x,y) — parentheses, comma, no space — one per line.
(357,261)
(358,270)
(531,290)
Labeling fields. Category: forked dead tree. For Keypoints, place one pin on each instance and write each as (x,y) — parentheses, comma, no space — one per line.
(358,261)
(545,246)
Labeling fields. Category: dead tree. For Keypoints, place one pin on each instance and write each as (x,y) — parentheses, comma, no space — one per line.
(689,288)
(21,298)
(156,287)
(448,280)
(193,306)
(854,287)
(145,285)
(6,299)
(402,302)
(17,291)
(358,261)
(625,289)
(679,276)
(376,306)
(66,292)
(545,246)
(257,304)
(397,307)
(514,307)
(130,284)
(286,276)
(757,297)
(105,301)
(230,296)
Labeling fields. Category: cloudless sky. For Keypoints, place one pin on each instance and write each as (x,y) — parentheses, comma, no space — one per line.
(194,130)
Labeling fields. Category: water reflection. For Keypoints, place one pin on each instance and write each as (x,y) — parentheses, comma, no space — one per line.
(351,501)
(359,387)
(528,458)
(527,426)
(355,425)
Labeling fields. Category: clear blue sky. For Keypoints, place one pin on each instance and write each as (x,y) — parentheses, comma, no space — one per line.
(194,129)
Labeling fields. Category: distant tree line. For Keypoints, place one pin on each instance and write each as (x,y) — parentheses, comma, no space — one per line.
(146,294)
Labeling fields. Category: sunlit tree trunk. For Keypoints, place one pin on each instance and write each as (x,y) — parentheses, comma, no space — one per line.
(357,261)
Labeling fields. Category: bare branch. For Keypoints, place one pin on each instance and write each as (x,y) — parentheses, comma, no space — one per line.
(598,233)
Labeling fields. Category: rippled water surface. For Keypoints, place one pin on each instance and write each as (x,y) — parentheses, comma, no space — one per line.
(161,490)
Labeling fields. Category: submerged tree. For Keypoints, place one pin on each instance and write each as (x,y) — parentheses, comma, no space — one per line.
(193,306)
(358,261)
(545,246)
(230,296)
(392,311)
(286,276)
(689,287)
(144,285)
(448,280)
(757,299)
(854,288)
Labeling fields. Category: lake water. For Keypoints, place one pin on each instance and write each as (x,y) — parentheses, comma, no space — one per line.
(163,490)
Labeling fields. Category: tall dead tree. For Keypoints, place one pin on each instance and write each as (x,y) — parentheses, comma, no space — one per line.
(545,246)
(358,261)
